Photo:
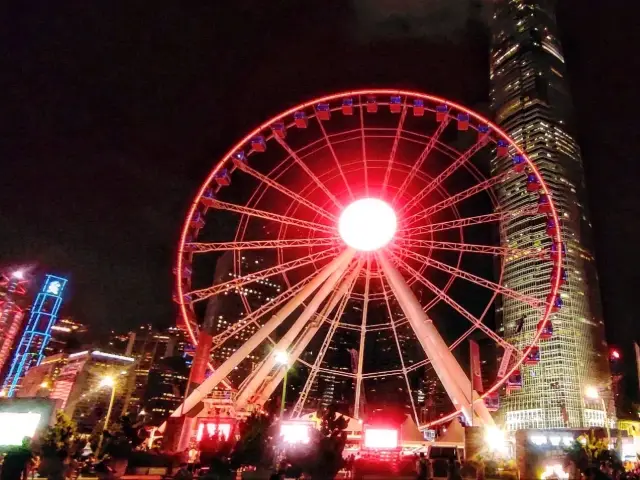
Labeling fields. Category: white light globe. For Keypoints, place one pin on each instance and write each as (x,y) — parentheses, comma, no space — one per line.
(367,224)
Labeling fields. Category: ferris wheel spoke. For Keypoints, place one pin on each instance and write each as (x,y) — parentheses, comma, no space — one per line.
(284,343)
(507,292)
(206,247)
(335,157)
(457,198)
(282,189)
(467,247)
(395,336)
(271,216)
(433,141)
(204,293)
(344,296)
(446,173)
(476,322)
(394,148)
(364,146)
(499,216)
(363,334)
(308,171)
(254,317)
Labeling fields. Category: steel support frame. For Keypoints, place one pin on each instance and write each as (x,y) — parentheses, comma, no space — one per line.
(454,380)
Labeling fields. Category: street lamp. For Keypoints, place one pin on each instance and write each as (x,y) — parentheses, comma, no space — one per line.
(107,381)
(593,393)
(282,358)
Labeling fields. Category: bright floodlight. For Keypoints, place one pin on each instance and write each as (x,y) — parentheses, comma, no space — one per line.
(367,224)
(107,382)
(18,274)
(591,392)
(282,358)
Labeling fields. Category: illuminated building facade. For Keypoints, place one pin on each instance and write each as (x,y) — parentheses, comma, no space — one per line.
(530,100)
(34,340)
(66,334)
(39,380)
(150,348)
(165,388)
(77,386)
(230,307)
(12,292)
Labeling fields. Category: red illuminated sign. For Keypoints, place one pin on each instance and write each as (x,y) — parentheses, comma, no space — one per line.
(381,438)
(213,428)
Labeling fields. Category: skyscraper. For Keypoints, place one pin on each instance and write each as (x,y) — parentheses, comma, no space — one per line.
(34,340)
(530,99)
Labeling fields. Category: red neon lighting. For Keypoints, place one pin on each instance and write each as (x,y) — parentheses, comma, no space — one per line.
(381,438)
(213,428)
(553,215)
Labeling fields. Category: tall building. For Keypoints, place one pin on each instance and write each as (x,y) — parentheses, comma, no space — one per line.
(66,335)
(12,296)
(36,336)
(149,348)
(530,99)
(229,308)
(77,386)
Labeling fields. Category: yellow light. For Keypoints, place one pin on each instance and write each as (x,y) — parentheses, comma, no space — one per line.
(495,439)
(44,384)
(107,382)
(282,358)
(591,392)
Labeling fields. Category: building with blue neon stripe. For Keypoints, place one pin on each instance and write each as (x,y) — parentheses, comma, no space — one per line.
(30,351)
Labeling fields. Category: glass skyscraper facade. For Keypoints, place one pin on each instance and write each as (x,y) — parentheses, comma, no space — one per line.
(530,99)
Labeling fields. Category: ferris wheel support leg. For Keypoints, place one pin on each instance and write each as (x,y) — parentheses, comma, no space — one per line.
(454,380)
(301,346)
(285,342)
(227,367)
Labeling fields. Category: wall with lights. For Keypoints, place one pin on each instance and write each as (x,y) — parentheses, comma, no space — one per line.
(30,351)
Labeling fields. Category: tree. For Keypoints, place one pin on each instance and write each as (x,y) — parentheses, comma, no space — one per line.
(123,437)
(58,438)
(254,446)
(323,456)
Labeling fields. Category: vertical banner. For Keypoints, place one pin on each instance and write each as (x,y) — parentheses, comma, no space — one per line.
(476,369)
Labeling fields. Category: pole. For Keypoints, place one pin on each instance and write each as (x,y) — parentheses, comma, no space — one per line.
(471,377)
(606,422)
(284,392)
(106,420)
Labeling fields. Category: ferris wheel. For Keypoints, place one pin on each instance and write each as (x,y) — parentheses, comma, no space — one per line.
(376,214)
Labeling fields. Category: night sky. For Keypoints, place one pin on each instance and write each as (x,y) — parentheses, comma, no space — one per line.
(113,112)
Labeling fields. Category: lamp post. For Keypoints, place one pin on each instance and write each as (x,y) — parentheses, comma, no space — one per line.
(111,383)
(593,393)
(282,358)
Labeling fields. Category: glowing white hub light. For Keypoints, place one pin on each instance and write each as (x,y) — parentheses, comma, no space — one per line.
(367,224)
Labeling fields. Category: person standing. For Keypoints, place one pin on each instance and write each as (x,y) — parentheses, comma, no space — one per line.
(423,468)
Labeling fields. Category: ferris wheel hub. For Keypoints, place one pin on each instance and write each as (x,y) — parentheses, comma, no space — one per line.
(367,224)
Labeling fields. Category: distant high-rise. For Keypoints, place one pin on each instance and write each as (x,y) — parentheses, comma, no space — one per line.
(13,289)
(530,99)
(36,336)
(230,307)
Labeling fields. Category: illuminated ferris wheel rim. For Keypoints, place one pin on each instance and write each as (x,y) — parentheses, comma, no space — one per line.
(182,251)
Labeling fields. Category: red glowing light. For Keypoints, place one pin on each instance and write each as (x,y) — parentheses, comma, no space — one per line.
(296,432)
(615,354)
(381,438)
(213,428)
(367,224)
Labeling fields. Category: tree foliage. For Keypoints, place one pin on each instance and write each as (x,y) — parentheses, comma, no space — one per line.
(58,438)
(255,444)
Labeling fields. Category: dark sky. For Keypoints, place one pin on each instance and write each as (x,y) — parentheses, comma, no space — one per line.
(114,112)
